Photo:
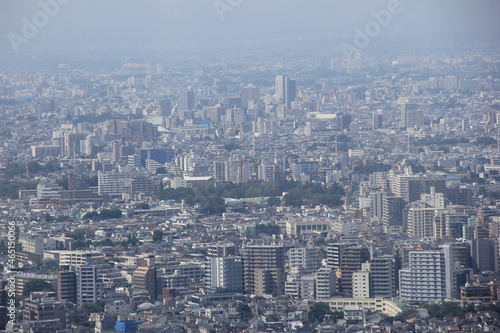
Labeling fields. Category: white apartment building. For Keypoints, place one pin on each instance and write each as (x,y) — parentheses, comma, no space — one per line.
(425,278)
(361,282)
(305,260)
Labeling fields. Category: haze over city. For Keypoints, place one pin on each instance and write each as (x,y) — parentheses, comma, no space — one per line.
(205,166)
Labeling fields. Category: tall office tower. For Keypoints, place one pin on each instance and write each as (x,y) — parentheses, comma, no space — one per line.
(383,276)
(304,260)
(280,88)
(115,151)
(144,278)
(187,100)
(66,286)
(290,92)
(361,282)
(334,253)
(250,94)
(345,120)
(350,262)
(286,90)
(425,278)
(392,214)
(410,115)
(420,220)
(483,255)
(165,107)
(377,120)
(377,207)
(224,273)
(264,269)
(457,267)
(461,254)
(326,282)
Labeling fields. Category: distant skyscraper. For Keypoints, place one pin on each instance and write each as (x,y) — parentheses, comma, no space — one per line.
(345,121)
(249,93)
(290,92)
(187,100)
(165,107)
(410,115)
(280,88)
(286,90)
(377,121)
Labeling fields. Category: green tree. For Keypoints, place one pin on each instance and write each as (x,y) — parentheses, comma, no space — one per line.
(107,214)
(214,206)
(270,229)
(96,307)
(161,170)
(157,235)
(142,205)
(245,312)
(484,141)
(318,311)
(106,242)
(274,201)
(91,216)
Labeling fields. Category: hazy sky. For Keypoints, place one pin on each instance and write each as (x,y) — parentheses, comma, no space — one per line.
(115,22)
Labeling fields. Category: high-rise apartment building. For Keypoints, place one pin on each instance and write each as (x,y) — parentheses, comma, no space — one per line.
(350,261)
(425,278)
(383,276)
(224,273)
(144,278)
(264,269)
(66,286)
(326,283)
(304,260)
(392,213)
